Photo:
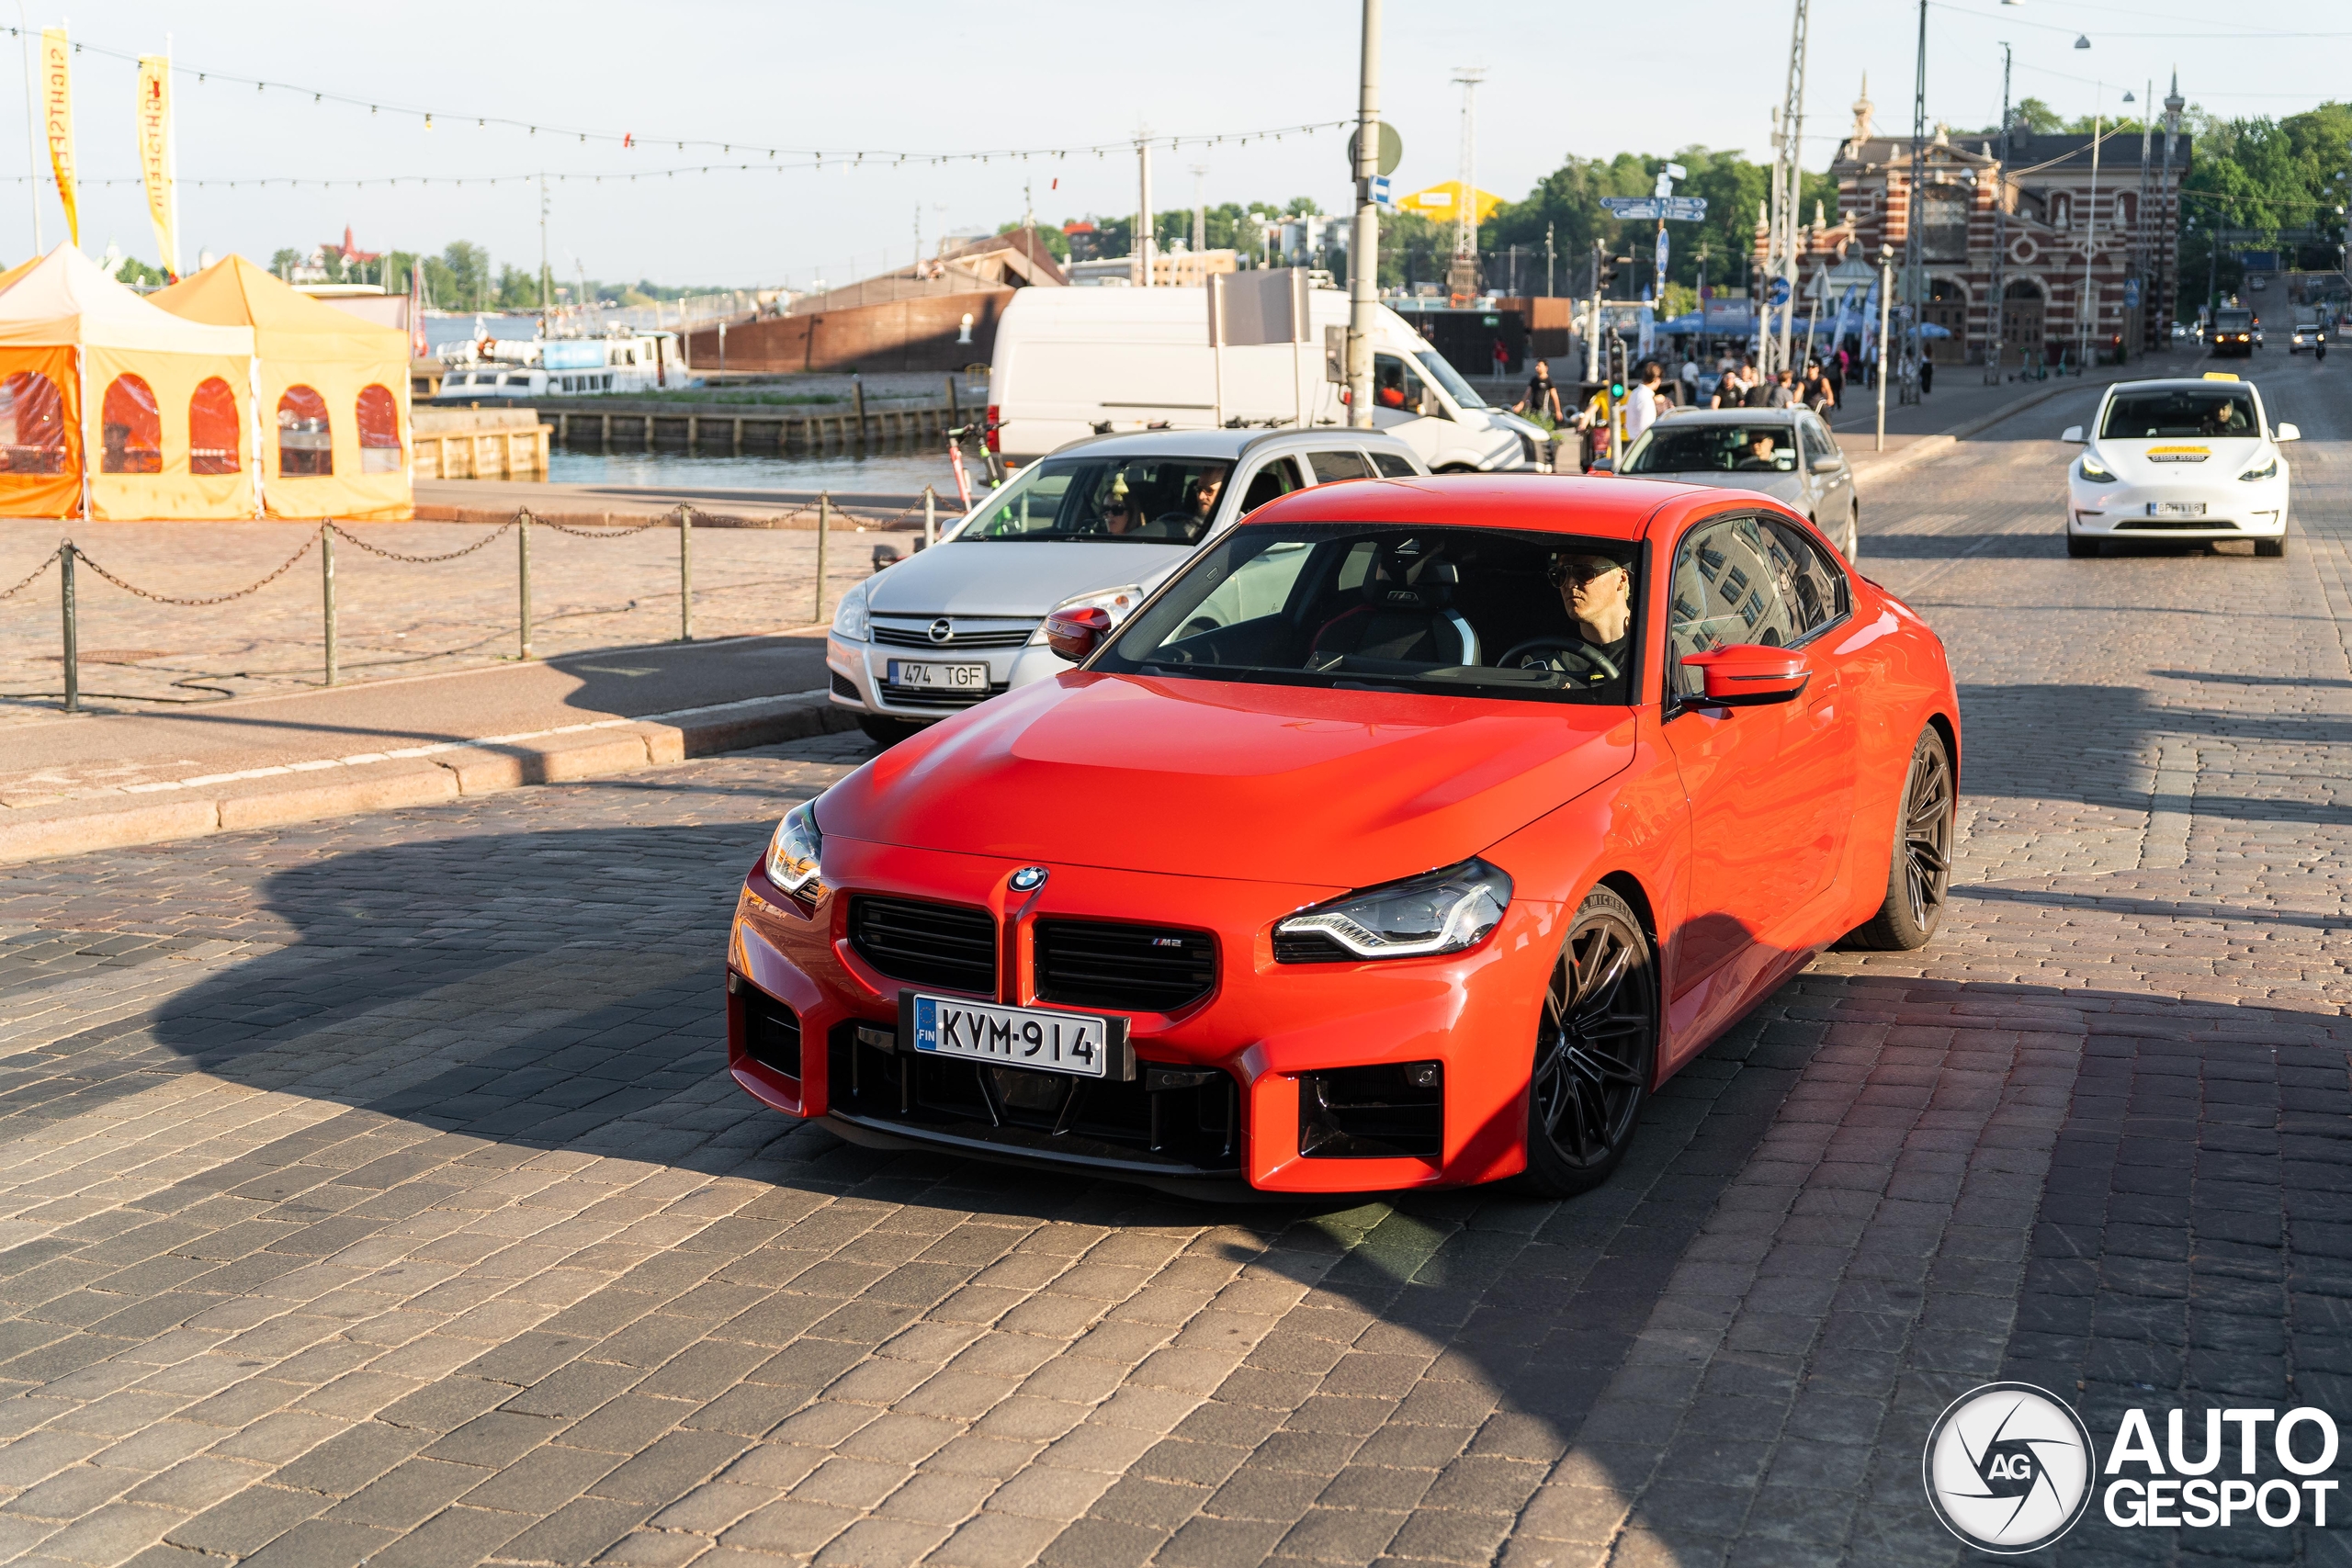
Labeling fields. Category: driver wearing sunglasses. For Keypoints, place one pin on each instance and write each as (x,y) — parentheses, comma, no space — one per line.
(1598,593)
(1120,515)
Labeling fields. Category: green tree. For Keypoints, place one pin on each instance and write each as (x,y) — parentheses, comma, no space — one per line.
(2036,118)
(284,261)
(2272,185)
(467,266)
(1568,202)
(517,290)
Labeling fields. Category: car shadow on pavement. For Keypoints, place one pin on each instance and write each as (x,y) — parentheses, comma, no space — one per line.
(1824,1230)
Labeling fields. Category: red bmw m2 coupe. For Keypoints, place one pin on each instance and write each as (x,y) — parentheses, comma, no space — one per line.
(1412,836)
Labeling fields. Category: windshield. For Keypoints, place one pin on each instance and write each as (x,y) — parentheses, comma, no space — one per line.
(1461,612)
(2234,321)
(1434,366)
(1143,501)
(2181,411)
(1683,447)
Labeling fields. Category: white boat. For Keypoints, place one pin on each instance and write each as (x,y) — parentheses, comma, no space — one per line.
(617,361)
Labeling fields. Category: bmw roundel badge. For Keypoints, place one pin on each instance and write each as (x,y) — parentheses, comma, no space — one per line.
(1028,879)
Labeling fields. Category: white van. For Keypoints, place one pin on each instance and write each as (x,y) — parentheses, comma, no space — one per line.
(1072,363)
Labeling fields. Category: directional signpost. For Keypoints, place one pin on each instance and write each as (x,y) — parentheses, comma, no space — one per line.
(1673,209)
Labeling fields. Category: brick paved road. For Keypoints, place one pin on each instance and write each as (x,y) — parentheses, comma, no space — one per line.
(370,1190)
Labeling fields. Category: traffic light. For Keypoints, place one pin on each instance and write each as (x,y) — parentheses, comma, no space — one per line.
(1617,368)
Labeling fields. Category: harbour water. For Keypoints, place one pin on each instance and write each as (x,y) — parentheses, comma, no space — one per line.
(882,473)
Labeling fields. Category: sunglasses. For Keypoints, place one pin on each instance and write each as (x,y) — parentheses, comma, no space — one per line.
(1580,574)
(1114,511)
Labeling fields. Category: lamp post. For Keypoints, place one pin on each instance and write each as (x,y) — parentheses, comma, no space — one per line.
(1363,263)
(1993,325)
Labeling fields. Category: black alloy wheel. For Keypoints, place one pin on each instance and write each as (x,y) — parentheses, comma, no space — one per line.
(1596,1047)
(1918,879)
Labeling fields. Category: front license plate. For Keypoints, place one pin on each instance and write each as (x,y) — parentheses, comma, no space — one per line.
(923,677)
(1080,1045)
(2175,509)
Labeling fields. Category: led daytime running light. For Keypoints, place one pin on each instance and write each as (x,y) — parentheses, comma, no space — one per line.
(796,854)
(2094,471)
(1446,910)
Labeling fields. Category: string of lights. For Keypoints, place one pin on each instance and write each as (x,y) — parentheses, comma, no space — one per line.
(618,177)
(816,157)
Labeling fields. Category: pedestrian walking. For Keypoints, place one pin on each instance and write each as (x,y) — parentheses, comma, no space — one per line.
(1641,400)
(1541,404)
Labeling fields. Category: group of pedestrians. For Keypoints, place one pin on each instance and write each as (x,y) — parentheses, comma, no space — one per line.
(1647,396)
(1819,386)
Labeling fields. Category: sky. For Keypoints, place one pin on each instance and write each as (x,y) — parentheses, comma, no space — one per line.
(925,77)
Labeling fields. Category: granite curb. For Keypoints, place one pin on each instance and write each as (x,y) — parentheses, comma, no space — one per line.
(299,794)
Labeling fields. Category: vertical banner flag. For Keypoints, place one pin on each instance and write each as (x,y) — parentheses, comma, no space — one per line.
(155,156)
(416,347)
(57,113)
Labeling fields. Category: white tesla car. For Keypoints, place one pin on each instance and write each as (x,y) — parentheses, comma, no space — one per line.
(2179,459)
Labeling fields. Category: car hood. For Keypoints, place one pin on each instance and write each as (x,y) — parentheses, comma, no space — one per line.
(988,577)
(2183,460)
(1780,486)
(1253,783)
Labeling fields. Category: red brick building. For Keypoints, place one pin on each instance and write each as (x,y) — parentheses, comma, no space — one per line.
(2065,237)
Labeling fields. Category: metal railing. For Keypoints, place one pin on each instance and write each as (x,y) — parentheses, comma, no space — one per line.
(69,557)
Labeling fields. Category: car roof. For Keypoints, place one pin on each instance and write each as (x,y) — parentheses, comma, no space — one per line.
(2164,383)
(1606,508)
(1232,444)
(1729,416)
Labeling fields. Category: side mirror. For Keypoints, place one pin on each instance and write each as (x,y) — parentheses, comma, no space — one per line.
(1074,634)
(2285,432)
(1746,674)
(2073,435)
(1604,464)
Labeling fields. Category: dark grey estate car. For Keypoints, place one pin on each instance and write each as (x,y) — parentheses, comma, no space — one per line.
(1787,454)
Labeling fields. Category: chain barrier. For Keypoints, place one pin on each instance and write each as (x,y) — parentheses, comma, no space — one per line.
(343,533)
(83,557)
(827,516)
(609,531)
(34,576)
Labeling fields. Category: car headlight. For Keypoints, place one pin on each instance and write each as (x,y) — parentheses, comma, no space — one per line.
(796,854)
(2094,471)
(850,619)
(2268,470)
(1116,603)
(1446,910)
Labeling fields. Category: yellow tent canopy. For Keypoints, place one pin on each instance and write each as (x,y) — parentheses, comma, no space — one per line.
(87,365)
(333,388)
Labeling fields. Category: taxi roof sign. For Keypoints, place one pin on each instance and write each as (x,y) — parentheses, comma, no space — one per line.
(2220,374)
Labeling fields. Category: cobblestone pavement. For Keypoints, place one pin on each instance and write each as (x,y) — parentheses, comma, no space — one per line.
(395,618)
(370,1190)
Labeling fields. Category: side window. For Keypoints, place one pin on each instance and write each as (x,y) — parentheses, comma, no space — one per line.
(1329,467)
(1395,384)
(1393,467)
(1726,588)
(1276,479)
(1815,442)
(1814,589)
(1260,586)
